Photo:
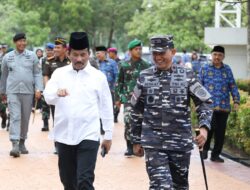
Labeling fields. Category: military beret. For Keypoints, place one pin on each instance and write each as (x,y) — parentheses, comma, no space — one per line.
(218,49)
(134,43)
(100,48)
(112,50)
(4,46)
(60,41)
(49,46)
(19,36)
(161,43)
(78,41)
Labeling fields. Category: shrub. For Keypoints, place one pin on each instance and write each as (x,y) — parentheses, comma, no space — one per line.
(243,85)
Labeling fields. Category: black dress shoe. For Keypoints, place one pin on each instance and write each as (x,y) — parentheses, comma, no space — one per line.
(45,129)
(217,159)
(204,154)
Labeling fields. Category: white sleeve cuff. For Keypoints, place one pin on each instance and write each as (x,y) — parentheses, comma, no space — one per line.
(108,135)
(107,125)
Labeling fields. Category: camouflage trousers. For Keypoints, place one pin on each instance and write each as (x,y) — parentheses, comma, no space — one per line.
(3,106)
(167,170)
(127,121)
(45,109)
(3,114)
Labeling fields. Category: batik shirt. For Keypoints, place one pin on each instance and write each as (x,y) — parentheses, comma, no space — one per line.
(220,83)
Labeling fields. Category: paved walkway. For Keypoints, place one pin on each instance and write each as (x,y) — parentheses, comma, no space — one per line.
(38,170)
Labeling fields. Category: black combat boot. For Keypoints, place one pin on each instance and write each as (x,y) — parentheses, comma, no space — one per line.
(15,149)
(22,147)
(129,152)
(45,125)
(4,119)
(8,122)
(116,113)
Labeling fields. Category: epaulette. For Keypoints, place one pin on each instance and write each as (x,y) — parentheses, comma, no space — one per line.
(50,58)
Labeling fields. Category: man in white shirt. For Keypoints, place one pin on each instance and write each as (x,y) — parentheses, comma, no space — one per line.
(81,97)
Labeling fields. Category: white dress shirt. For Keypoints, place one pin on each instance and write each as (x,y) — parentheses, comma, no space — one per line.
(77,116)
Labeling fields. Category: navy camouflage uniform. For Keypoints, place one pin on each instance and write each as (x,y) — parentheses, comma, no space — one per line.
(164,131)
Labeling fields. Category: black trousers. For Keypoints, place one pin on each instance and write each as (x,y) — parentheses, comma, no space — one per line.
(77,164)
(218,129)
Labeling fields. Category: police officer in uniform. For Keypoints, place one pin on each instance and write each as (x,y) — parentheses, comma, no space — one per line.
(162,94)
(126,81)
(59,59)
(21,78)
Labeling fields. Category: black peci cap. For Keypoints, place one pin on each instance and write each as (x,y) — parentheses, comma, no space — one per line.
(79,41)
(218,49)
(100,48)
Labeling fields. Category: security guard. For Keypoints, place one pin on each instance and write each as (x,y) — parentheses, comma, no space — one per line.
(49,49)
(126,81)
(162,94)
(59,59)
(21,78)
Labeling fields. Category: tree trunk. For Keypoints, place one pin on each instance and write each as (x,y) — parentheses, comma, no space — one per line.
(248,39)
(111,34)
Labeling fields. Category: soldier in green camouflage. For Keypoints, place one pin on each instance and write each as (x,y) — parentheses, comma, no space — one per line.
(3,103)
(126,81)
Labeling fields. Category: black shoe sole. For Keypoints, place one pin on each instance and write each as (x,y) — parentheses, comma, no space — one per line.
(15,154)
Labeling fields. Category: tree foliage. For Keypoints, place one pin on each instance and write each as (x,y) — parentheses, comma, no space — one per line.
(109,22)
(13,20)
(185,19)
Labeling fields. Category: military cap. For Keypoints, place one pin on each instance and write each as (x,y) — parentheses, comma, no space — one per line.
(49,46)
(19,36)
(161,43)
(112,50)
(218,49)
(60,41)
(78,41)
(100,48)
(134,43)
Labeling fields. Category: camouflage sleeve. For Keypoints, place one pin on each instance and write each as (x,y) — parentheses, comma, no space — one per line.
(201,99)
(137,102)
(119,85)
(233,87)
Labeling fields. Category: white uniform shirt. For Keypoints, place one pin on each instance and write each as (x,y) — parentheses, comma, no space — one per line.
(77,116)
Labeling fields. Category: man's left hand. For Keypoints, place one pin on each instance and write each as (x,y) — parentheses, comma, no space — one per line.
(106,144)
(201,138)
(236,107)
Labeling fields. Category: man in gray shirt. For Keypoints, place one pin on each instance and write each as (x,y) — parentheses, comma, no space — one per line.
(21,78)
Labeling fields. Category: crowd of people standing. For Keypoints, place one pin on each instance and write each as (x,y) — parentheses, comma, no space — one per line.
(84,96)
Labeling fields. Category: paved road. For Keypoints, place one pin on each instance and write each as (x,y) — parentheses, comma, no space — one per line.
(38,170)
